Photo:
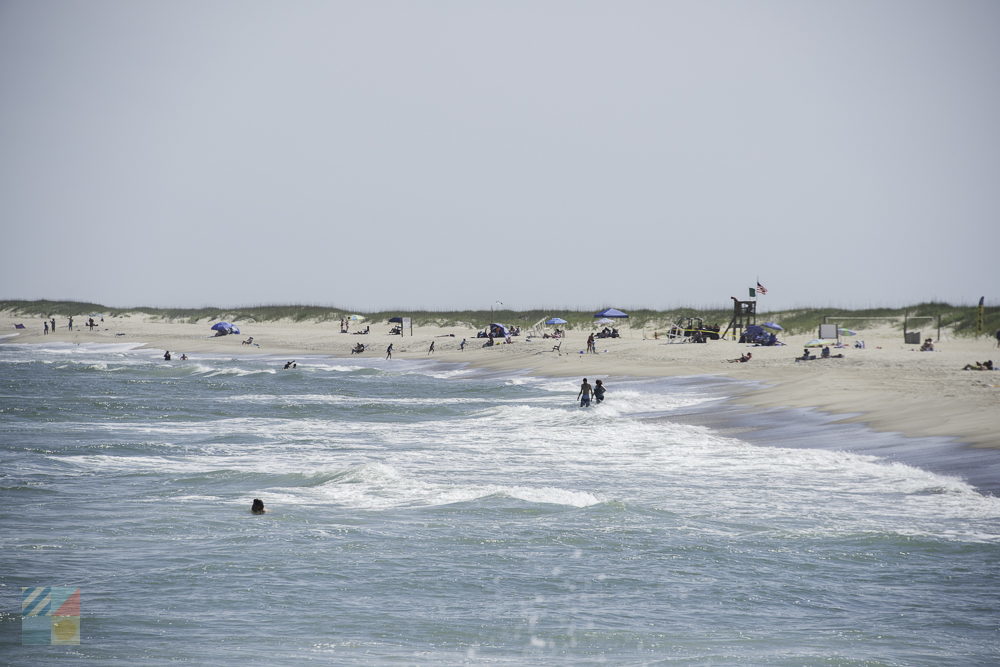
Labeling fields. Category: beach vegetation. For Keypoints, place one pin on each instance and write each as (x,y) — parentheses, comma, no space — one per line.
(960,320)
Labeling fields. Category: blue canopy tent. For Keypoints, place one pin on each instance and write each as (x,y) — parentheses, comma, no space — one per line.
(223,328)
(607,315)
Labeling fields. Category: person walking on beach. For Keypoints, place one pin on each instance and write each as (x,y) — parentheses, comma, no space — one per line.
(599,391)
(461,346)
(46,328)
(388,352)
(53,325)
(584,395)
(71,324)
(430,350)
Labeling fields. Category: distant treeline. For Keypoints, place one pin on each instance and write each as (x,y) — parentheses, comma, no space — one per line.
(960,319)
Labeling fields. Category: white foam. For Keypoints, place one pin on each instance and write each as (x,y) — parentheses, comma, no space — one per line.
(377,486)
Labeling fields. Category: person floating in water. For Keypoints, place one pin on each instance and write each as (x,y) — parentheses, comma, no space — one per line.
(584,395)
(291,364)
(257,507)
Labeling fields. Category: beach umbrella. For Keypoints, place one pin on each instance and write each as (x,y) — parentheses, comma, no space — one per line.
(233,329)
(222,326)
(555,320)
(847,332)
(397,320)
(356,318)
(610,312)
(773,325)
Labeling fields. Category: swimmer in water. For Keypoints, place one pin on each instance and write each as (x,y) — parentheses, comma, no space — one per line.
(257,507)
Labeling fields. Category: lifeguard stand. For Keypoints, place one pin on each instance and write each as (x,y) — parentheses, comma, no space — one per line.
(744,314)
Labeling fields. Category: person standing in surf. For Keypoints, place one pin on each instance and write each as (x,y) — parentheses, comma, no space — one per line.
(599,391)
(584,395)
(388,352)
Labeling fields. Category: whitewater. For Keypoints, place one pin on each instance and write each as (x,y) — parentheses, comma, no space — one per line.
(423,513)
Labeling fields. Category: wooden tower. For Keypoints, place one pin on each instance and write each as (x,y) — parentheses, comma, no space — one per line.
(744,314)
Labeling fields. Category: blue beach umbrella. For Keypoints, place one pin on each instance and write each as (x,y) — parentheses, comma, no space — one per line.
(555,320)
(773,325)
(610,312)
(222,326)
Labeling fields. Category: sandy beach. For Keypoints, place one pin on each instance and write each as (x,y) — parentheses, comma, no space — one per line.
(888,385)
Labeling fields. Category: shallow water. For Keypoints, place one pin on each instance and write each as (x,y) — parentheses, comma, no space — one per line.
(430,514)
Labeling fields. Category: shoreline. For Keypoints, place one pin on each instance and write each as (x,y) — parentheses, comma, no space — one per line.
(888,386)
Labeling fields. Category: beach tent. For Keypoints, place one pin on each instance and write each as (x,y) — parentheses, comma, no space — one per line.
(498,330)
(555,320)
(611,312)
(225,328)
(397,320)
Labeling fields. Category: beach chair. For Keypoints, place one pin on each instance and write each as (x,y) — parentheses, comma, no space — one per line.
(19,326)
(557,347)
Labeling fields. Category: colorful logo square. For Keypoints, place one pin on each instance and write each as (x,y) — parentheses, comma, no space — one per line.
(50,615)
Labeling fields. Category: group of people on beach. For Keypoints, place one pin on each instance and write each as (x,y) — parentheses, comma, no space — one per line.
(49,324)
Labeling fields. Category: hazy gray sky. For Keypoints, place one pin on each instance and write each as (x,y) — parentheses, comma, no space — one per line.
(450,154)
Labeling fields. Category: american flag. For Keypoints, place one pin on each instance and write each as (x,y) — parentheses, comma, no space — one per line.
(761,288)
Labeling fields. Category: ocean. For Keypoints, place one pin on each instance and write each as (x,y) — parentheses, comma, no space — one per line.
(423,513)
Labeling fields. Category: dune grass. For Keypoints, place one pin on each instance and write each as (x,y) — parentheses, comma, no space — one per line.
(962,320)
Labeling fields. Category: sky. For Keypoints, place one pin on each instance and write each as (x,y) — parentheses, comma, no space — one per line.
(451,155)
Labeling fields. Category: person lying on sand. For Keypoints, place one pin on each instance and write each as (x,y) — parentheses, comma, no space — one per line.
(980,366)
(743,359)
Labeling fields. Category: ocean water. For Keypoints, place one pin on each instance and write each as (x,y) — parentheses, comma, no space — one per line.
(420,513)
